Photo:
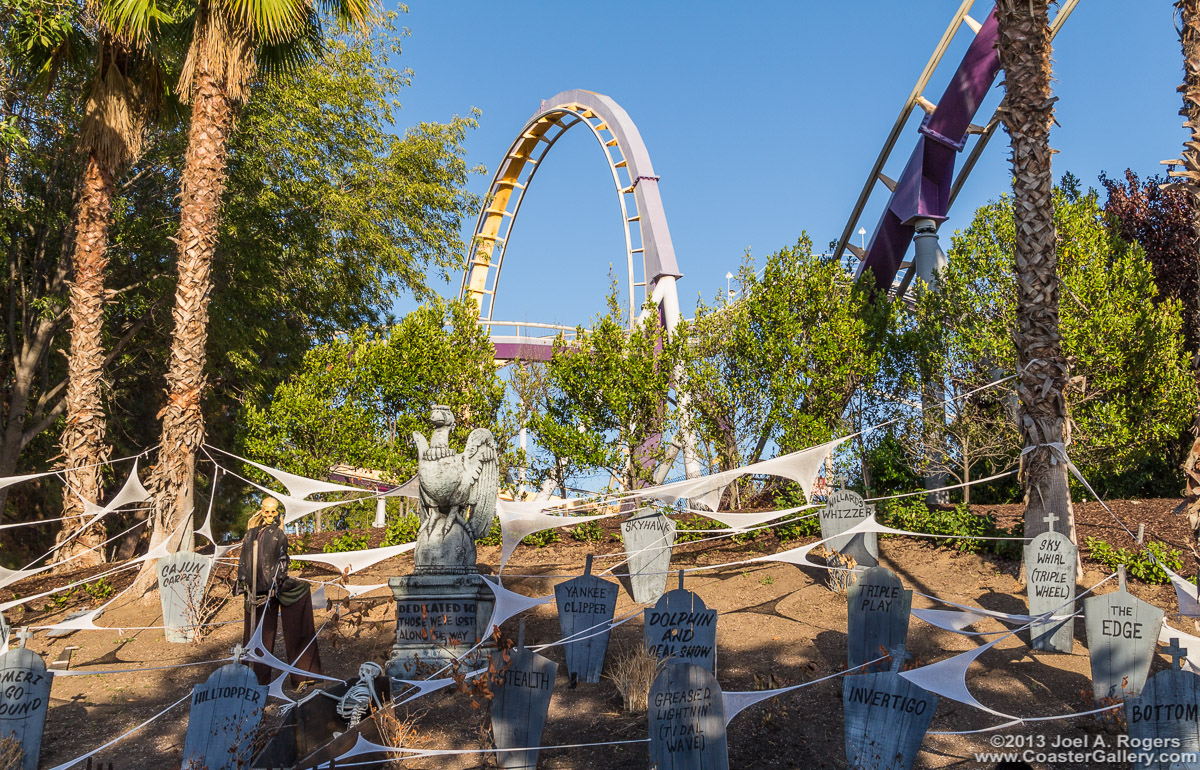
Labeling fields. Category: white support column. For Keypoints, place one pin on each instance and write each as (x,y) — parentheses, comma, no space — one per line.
(667,297)
(380,513)
(523,435)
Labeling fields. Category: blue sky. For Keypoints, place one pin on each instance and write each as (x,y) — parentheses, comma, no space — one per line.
(762,119)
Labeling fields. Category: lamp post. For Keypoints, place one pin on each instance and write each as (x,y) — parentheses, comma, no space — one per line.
(862,237)
(728,290)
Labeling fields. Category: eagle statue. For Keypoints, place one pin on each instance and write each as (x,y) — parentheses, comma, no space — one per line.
(457,498)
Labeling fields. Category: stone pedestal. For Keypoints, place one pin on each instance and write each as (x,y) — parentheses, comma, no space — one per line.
(439,617)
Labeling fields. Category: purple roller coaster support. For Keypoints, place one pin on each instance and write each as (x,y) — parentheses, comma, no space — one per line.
(923,190)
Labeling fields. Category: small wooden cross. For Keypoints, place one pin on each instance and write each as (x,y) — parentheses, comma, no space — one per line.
(1050,519)
(900,656)
(1178,654)
(24,635)
(587,565)
(680,580)
(839,481)
(238,651)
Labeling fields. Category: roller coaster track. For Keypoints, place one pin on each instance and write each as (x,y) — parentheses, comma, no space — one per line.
(928,186)
(925,190)
(650,256)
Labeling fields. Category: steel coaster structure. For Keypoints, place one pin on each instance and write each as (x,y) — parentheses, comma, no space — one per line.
(921,198)
(650,256)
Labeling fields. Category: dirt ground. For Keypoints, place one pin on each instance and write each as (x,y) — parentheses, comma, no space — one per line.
(778,625)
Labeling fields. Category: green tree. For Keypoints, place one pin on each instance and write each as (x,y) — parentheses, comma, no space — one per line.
(359,398)
(776,368)
(605,405)
(276,290)
(1130,394)
(40,92)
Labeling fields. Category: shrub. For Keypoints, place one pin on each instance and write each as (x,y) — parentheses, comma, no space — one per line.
(493,536)
(587,532)
(1138,564)
(347,542)
(99,589)
(957,523)
(798,525)
(300,544)
(686,529)
(543,538)
(633,672)
(402,529)
(745,537)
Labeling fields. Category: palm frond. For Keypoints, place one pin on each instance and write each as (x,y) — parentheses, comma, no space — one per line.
(288,56)
(134,22)
(350,12)
(269,22)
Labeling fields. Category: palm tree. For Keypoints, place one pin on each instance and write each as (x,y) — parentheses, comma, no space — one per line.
(231,42)
(1189,38)
(111,134)
(1027,113)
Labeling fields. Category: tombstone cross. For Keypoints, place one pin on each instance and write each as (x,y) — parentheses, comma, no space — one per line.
(1178,654)
(24,635)
(1050,519)
(900,656)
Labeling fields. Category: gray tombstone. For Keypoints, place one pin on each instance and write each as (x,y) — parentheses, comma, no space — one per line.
(520,703)
(1122,633)
(24,698)
(878,609)
(586,606)
(1050,561)
(649,537)
(182,578)
(224,717)
(682,629)
(687,720)
(845,509)
(886,717)
(1166,715)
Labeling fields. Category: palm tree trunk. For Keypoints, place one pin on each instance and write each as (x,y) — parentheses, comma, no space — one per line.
(1189,38)
(83,439)
(203,181)
(1027,113)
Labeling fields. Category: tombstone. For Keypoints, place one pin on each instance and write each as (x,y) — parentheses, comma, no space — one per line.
(182,578)
(1166,716)
(224,718)
(439,619)
(1050,561)
(1122,634)
(586,606)
(843,510)
(520,703)
(877,617)
(687,720)
(649,537)
(886,717)
(24,698)
(682,629)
